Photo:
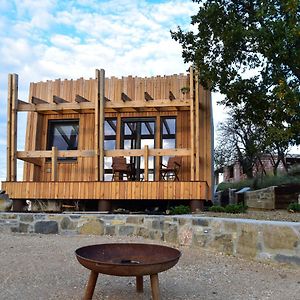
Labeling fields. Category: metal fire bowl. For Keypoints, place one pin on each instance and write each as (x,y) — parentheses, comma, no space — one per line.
(122,259)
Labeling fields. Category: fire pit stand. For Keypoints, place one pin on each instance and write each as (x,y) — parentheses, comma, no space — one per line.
(122,259)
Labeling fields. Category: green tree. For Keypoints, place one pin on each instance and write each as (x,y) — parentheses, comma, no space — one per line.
(250,52)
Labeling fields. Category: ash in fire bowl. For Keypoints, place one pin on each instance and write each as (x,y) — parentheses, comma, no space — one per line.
(122,259)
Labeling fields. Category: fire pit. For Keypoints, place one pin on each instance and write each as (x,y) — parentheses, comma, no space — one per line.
(122,259)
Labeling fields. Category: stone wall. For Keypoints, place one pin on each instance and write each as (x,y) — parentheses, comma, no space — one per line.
(261,199)
(260,240)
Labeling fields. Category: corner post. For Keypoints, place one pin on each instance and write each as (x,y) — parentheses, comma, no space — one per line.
(192,123)
(9,128)
(14,126)
(101,123)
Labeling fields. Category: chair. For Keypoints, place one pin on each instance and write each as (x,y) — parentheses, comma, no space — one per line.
(121,168)
(170,171)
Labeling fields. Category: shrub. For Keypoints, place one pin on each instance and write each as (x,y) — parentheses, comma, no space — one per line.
(294,207)
(235,208)
(180,210)
(294,170)
(217,208)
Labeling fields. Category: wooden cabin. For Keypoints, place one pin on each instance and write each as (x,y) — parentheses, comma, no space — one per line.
(75,129)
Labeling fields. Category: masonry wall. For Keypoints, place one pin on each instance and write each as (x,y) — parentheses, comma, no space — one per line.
(259,240)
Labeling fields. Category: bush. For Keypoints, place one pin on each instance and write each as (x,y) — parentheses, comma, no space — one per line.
(217,208)
(294,170)
(180,210)
(235,208)
(294,207)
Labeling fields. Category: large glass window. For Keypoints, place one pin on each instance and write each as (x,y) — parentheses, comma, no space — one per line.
(63,134)
(168,135)
(110,130)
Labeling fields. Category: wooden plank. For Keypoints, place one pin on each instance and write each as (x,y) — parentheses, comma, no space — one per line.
(80,99)
(101,123)
(35,161)
(197,131)
(192,123)
(54,164)
(152,152)
(9,128)
(146,160)
(36,100)
(14,126)
(96,130)
(60,153)
(59,100)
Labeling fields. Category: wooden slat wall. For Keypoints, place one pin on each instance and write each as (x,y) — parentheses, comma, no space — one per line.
(111,190)
(134,87)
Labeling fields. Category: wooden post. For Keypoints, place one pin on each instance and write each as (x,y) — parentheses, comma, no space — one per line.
(197,121)
(8,149)
(14,125)
(101,122)
(96,131)
(54,164)
(146,158)
(192,124)
(157,146)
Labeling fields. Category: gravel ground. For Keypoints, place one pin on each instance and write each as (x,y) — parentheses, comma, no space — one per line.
(45,267)
(274,215)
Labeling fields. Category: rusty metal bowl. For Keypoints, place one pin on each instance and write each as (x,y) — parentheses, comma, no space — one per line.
(124,259)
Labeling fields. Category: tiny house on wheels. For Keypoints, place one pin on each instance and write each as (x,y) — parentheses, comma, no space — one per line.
(103,142)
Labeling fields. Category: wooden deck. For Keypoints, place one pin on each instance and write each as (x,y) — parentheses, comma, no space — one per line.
(108,190)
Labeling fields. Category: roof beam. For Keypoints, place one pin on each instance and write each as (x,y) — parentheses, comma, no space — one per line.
(36,100)
(171,96)
(59,100)
(80,99)
(125,98)
(148,97)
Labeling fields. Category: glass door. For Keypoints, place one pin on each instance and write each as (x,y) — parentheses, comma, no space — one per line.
(135,134)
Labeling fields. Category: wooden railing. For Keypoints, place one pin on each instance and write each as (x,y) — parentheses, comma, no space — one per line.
(35,157)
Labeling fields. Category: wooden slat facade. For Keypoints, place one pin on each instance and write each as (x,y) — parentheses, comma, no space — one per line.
(108,190)
(127,97)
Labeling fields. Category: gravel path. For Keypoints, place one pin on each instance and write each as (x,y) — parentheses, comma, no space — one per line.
(45,267)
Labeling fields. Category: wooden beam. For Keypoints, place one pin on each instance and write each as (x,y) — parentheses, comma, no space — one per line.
(192,124)
(32,160)
(197,131)
(9,128)
(157,144)
(125,98)
(80,99)
(148,97)
(152,152)
(171,96)
(60,153)
(14,126)
(58,100)
(101,85)
(146,163)
(54,164)
(96,129)
(36,100)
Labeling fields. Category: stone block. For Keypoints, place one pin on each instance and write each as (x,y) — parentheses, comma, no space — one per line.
(247,240)
(46,227)
(110,230)
(67,224)
(230,226)
(118,222)
(156,235)
(94,227)
(222,243)
(171,233)
(126,230)
(280,237)
(143,232)
(185,235)
(6,216)
(200,222)
(295,260)
(27,218)
(23,227)
(157,224)
(183,221)
(200,240)
(134,220)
